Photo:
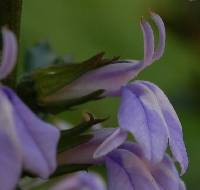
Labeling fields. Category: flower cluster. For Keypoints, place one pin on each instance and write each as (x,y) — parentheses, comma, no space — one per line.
(146,113)
(29,145)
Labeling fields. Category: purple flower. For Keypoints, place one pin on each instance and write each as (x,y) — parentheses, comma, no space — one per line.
(104,141)
(80,180)
(127,166)
(128,169)
(26,143)
(146,112)
(112,77)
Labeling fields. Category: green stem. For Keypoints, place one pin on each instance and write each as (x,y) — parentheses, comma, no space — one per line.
(10,16)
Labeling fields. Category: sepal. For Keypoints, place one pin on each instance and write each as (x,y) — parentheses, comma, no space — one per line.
(75,136)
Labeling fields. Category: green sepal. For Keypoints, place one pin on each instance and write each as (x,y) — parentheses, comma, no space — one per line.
(60,106)
(71,142)
(73,137)
(83,126)
(69,168)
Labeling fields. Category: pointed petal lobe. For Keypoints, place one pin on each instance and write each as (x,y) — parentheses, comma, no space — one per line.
(38,139)
(112,142)
(148,42)
(174,126)
(139,114)
(137,172)
(10,157)
(9,54)
(162,36)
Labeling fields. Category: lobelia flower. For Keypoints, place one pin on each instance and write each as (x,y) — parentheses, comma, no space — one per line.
(80,181)
(26,142)
(127,166)
(145,111)
(113,76)
(128,169)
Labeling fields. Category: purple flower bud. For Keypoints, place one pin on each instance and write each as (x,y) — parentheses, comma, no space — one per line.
(112,77)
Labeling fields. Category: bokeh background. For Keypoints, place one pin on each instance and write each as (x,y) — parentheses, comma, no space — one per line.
(83,28)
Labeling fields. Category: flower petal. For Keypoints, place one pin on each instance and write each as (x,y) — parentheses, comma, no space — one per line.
(117,177)
(174,126)
(165,177)
(110,78)
(80,180)
(84,153)
(38,139)
(140,114)
(111,143)
(148,42)
(182,185)
(136,170)
(162,36)
(9,53)
(10,157)
(92,181)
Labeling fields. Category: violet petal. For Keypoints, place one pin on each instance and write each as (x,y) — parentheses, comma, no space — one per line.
(38,139)
(140,114)
(162,36)
(112,142)
(10,157)
(9,53)
(174,126)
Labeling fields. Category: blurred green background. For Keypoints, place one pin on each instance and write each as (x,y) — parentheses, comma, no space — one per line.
(84,28)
